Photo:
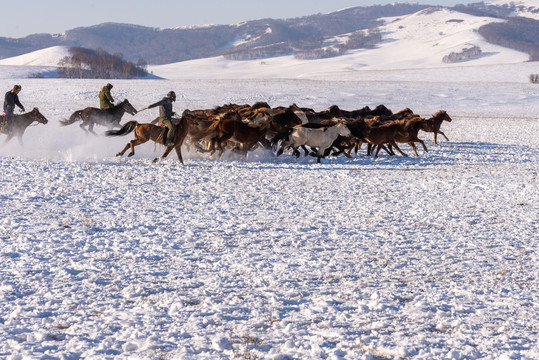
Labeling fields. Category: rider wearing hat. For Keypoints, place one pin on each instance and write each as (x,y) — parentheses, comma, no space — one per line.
(105,98)
(10,100)
(165,115)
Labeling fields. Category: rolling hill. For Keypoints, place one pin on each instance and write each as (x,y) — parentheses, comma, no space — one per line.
(431,37)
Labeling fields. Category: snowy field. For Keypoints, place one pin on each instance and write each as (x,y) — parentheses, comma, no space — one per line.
(269,257)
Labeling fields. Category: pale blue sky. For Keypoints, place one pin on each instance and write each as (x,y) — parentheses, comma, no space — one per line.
(22,18)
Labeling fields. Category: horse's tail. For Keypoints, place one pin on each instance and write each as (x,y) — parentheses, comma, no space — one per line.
(281,135)
(76,116)
(126,129)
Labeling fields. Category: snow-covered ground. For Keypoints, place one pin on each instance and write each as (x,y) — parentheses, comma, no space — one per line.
(271,257)
(430,257)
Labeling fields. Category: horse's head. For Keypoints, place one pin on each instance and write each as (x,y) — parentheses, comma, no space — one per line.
(128,108)
(343,129)
(39,116)
(442,114)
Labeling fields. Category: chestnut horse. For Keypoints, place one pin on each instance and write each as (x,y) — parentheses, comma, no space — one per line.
(145,132)
(384,134)
(20,123)
(408,133)
(433,124)
(246,133)
(91,116)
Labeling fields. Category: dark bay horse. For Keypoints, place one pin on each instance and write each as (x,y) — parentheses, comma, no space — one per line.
(20,123)
(433,124)
(91,116)
(145,132)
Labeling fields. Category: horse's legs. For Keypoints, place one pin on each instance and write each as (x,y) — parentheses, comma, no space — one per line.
(131,145)
(179,153)
(82,127)
(396,147)
(441,132)
(124,150)
(382,146)
(167,151)
(91,129)
(414,148)
(423,143)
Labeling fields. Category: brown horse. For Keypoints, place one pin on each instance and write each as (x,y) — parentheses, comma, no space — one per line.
(145,132)
(20,123)
(408,133)
(91,116)
(384,134)
(244,133)
(433,124)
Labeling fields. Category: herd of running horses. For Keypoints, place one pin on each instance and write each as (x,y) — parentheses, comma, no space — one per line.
(243,128)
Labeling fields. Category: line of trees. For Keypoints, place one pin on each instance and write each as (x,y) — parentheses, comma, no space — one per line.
(465,54)
(360,39)
(516,33)
(98,64)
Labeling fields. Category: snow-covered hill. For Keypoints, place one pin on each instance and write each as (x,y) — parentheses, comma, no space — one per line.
(45,57)
(416,41)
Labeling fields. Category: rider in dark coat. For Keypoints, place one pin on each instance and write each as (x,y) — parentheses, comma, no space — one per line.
(10,100)
(165,115)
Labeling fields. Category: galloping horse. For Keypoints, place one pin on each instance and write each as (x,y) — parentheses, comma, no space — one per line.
(244,133)
(145,132)
(91,116)
(20,123)
(319,138)
(384,134)
(433,124)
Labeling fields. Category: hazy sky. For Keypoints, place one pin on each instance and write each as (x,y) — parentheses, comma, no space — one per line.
(22,18)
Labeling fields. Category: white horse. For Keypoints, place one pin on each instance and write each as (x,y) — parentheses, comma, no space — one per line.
(319,138)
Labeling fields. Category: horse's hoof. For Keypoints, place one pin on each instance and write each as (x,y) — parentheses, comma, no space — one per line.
(118,154)
(131,154)
(155,160)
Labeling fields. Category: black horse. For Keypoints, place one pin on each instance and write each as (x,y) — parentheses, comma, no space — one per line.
(19,123)
(91,116)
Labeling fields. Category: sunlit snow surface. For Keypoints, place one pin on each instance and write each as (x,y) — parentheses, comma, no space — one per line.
(270,257)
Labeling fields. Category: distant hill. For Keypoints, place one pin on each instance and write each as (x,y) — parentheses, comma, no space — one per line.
(356,34)
(163,46)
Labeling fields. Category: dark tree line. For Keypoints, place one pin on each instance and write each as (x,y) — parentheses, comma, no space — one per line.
(98,64)
(516,33)
(361,39)
(310,48)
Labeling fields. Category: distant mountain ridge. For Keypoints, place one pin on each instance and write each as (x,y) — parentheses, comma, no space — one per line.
(264,37)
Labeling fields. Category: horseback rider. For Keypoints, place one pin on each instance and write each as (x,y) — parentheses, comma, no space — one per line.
(165,116)
(105,98)
(10,100)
